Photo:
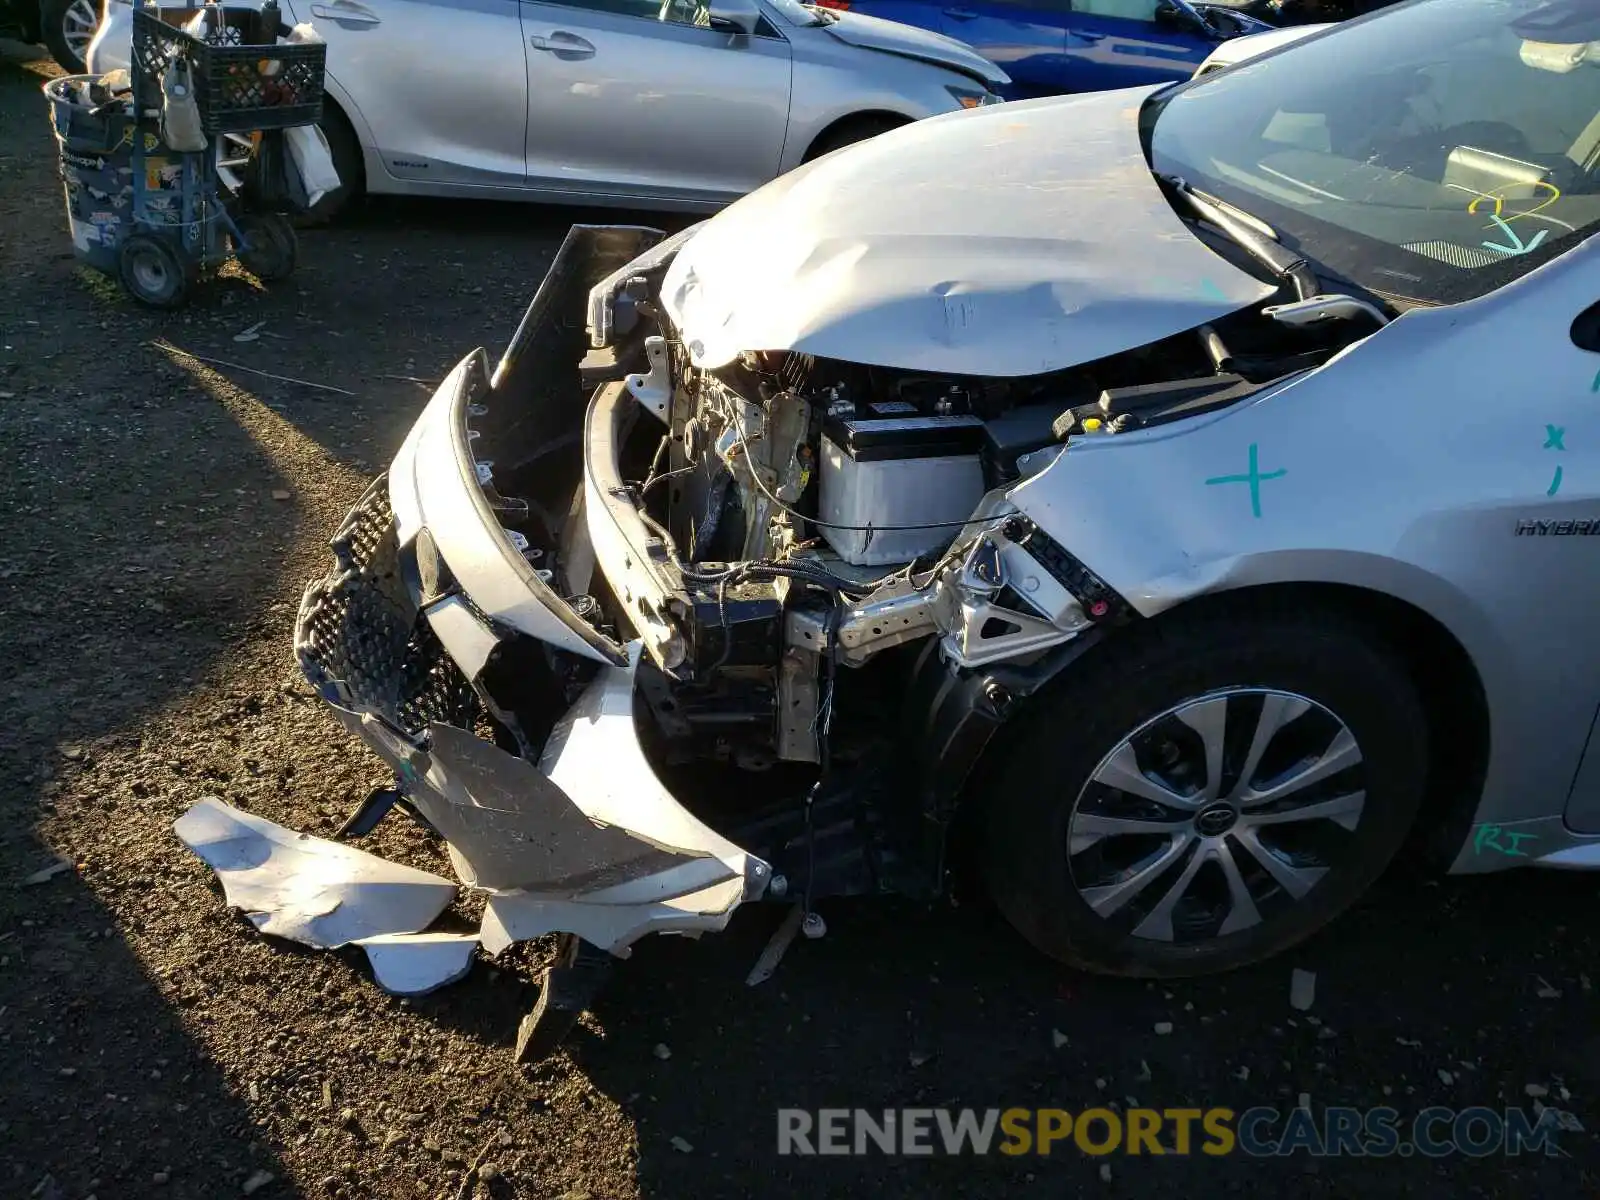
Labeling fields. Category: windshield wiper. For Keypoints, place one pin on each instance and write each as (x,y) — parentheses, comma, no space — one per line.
(1278,259)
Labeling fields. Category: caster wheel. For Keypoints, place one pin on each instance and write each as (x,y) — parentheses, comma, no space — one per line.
(268,246)
(152,272)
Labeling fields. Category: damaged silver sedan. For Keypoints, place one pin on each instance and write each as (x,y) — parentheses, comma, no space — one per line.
(891,524)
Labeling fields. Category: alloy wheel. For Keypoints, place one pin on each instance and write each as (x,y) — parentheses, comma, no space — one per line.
(78,23)
(1216,815)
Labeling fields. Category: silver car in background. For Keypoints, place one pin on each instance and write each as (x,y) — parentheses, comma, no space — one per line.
(683,104)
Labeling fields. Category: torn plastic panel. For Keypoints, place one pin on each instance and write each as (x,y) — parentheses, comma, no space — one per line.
(325,895)
(514,832)
(414,964)
(307,889)
(589,825)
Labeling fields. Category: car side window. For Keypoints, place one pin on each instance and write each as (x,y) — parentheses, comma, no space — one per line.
(624,8)
(676,12)
(685,12)
(1127,10)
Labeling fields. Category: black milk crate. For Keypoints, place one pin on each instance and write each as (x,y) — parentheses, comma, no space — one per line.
(239,87)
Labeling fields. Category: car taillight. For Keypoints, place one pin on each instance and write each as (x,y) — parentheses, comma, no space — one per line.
(841,5)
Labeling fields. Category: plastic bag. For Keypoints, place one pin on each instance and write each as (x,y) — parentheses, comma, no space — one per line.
(180,111)
(313,160)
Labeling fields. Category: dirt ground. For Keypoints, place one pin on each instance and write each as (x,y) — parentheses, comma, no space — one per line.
(159,518)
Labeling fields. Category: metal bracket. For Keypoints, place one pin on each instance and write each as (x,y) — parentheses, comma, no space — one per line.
(892,615)
(984,633)
(1324,307)
(978,631)
(653,389)
(797,706)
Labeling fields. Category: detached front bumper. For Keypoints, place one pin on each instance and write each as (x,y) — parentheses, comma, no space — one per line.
(426,590)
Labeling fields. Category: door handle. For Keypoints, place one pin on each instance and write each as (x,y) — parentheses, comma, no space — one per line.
(349,14)
(961,14)
(564,45)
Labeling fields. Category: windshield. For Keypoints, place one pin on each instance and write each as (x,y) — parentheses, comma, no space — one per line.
(1431,152)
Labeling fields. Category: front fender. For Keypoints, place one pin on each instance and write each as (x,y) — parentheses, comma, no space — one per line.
(1393,469)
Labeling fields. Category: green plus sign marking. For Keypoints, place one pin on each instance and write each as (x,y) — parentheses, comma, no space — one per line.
(1253,478)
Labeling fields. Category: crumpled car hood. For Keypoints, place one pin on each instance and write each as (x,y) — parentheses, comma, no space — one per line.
(1009,240)
(892,37)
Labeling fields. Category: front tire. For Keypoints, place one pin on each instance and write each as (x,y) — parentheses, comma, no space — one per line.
(1205,793)
(69,27)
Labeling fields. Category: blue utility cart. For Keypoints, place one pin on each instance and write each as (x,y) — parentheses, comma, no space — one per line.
(159,219)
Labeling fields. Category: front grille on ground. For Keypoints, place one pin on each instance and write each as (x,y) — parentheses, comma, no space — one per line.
(359,638)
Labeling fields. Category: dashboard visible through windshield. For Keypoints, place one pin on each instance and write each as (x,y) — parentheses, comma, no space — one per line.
(1430,152)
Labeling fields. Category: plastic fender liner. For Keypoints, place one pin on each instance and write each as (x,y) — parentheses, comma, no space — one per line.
(955,714)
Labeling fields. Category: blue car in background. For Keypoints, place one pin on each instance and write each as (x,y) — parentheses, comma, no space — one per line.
(1053,46)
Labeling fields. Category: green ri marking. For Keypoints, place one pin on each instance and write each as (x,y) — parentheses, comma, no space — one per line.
(1552,437)
(1488,837)
(1253,478)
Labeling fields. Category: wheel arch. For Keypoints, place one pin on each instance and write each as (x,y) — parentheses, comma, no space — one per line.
(880,119)
(1448,681)
(962,724)
(346,109)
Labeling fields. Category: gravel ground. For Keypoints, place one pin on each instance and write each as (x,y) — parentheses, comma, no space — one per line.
(160,518)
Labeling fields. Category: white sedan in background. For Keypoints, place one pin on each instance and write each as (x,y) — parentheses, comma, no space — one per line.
(682,104)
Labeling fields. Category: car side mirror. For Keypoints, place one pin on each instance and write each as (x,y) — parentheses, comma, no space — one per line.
(734,16)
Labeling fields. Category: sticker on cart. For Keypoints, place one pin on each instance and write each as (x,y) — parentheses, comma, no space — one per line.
(151,141)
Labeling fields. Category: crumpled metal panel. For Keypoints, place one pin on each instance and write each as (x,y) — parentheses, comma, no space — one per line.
(1010,240)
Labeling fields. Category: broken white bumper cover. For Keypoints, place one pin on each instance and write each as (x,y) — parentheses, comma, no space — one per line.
(586,840)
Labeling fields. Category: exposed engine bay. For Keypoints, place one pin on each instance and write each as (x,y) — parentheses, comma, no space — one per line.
(808,515)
